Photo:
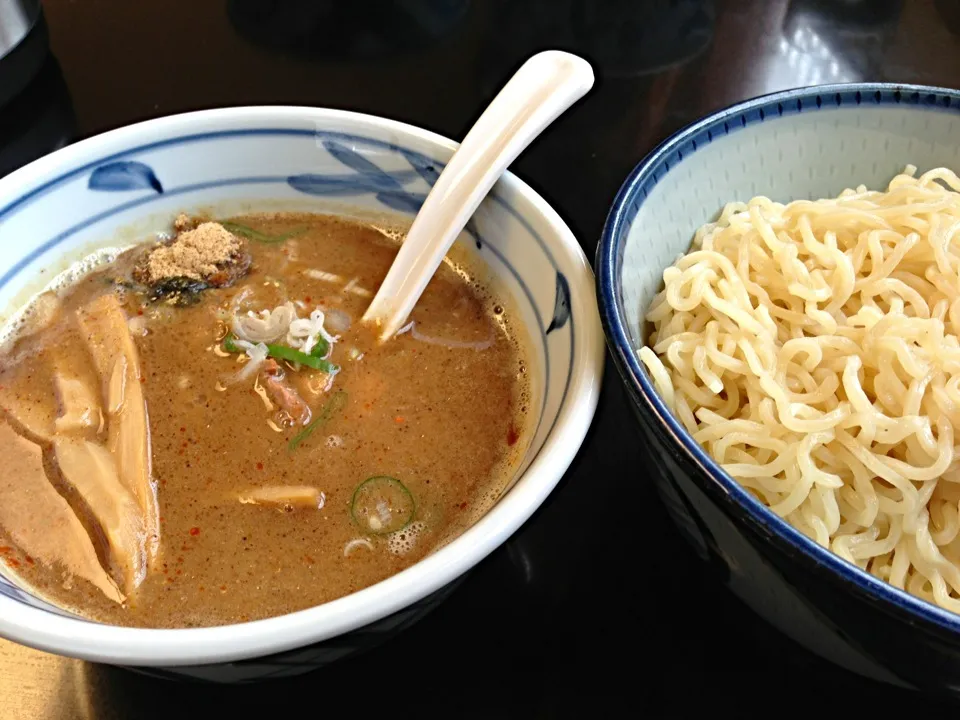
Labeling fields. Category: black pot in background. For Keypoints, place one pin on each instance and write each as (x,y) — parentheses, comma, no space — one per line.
(39,120)
(23,45)
(330,30)
(620,38)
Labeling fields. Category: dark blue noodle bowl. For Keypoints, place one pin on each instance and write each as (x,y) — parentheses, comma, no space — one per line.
(826,138)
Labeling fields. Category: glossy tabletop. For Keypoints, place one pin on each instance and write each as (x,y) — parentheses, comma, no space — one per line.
(595,608)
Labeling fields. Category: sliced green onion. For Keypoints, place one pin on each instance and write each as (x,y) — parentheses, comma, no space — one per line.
(382,505)
(336,403)
(282,352)
(250,234)
(321,349)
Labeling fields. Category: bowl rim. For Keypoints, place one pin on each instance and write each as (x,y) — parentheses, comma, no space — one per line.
(149,647)
(710,478)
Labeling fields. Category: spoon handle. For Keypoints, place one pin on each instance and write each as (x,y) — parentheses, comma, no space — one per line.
(543,88)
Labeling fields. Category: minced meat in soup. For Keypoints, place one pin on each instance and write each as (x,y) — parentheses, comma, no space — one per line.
(202,432)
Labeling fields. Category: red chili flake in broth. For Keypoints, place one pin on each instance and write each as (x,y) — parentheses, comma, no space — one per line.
(5,549)
(463,506)
(12,563)
(259,466)
(194,531)
(307,299)
(29,560)
(309,559)
(512,436)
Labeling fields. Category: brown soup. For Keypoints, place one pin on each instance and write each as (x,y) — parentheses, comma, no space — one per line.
(189,442)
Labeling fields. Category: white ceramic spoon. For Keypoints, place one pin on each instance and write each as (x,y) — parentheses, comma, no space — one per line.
(544,87)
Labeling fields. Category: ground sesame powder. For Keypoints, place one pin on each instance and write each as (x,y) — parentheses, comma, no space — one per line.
(194,254)
(184,222)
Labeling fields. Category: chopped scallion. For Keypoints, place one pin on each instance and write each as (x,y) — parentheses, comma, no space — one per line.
(321,349)
(336,403)
(382,505)
(282,352)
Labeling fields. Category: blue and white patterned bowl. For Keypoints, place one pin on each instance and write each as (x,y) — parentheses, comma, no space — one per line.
(115,188)
(805,143)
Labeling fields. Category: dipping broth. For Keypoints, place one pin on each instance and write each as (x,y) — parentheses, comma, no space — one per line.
(201,432)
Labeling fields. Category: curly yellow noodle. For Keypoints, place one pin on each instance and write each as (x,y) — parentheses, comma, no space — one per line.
(813,349)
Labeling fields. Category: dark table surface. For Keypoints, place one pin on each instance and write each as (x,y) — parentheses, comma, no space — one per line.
(586,612)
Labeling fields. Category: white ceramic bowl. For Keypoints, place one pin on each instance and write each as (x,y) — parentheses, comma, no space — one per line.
(114,188)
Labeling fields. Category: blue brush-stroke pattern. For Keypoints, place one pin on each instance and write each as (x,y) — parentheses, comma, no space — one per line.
(430,174)
(369,178)
(404,201)
(339,185)
(425,170)
(561,304)
(124,175)
(12,592)
(471,227)
(388,187)
(367,169)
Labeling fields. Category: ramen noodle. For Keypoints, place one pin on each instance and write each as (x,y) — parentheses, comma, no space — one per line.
(812,349)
